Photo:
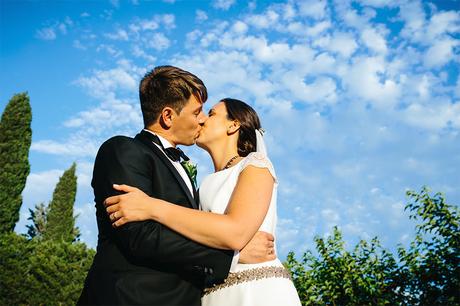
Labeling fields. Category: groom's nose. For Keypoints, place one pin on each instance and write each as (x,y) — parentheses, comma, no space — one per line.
(202,118)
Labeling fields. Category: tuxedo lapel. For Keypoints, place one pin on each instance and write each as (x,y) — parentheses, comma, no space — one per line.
(145,137)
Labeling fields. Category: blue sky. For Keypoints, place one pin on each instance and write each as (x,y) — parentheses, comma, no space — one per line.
(360,99)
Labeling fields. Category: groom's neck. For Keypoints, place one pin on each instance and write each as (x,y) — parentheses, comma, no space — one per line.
(158,130)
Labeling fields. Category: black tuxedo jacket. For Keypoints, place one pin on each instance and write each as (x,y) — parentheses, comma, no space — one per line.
(145,262)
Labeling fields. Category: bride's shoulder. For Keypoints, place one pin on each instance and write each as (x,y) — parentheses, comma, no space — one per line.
(257,159)
(256,156)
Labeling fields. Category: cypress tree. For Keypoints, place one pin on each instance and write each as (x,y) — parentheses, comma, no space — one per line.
(38,218)
(60,220)
(15,140)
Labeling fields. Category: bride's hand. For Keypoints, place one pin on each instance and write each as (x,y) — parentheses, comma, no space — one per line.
(134,205)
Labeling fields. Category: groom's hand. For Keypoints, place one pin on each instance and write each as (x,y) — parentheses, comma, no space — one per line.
(261,248)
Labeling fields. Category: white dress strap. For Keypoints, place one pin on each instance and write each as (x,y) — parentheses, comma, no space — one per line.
(259,160)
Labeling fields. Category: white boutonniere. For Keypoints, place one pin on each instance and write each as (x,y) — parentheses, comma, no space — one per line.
(191,170)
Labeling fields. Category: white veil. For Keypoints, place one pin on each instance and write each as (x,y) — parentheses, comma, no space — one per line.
(260,142)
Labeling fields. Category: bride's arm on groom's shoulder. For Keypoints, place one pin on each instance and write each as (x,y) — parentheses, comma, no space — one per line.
(245,212)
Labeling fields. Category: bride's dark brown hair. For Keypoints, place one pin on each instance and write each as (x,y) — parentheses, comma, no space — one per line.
(249,122)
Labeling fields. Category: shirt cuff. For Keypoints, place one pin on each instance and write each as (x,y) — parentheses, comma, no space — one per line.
(235,259)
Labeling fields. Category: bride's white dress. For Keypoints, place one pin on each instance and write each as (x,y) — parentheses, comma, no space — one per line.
(264,284)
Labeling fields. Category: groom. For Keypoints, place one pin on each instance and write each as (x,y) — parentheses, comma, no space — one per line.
(145,262)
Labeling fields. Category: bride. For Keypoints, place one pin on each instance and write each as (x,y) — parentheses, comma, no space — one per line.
(237,200)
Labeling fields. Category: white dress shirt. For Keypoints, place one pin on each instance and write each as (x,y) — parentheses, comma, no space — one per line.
(176,164)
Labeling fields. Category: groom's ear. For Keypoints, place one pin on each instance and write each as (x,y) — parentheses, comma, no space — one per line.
(233,127)
(166,117)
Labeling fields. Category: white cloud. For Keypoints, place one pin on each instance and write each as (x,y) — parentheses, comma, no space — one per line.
(165,21)
(263,21)
(263,51)
(239,27)
(168,20)
(46,34)
(313,8)
(440,53)
(366,78)
(286,233)
(95,116)
(158,41)
(84,173)
(118,35)
(457,88)
(433,117)
(318,28)
(145,25)
(86,221)
(106,14)
(105,117)
(200,16)
(377,3)
(341,43)
(321,90)
(77,44)
(442,23)
(40,186)
(324,63)
(241,77)
(138,52)
(192,37)
(74,147)
(289,12)
(50,32)
(374,40)
(349,170)
(351,17)
(116,89)
(115,3)
(423,88)
(413,15)
(223,4)
(62,28)
(103,83)
(110,49)
(330,216)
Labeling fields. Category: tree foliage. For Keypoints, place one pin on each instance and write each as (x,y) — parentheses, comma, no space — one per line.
(363,276)
(427,273)
(15,140)
(40,272)
(431,265)
(36,271)
(60,222)
(38,217)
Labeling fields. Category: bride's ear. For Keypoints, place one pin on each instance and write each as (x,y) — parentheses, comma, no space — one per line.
(233,127)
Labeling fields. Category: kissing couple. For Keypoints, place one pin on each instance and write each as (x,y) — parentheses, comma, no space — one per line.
(164,242)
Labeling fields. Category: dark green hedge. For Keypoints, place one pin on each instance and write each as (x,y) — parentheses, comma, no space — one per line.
(37,272)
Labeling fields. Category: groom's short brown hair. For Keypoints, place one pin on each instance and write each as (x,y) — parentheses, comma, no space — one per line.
(168,86)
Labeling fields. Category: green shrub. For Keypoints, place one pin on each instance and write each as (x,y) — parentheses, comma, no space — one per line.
(38,272)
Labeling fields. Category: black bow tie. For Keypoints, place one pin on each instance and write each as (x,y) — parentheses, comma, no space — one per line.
(175,154)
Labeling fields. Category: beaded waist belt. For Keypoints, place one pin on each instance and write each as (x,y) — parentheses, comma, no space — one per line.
(250,275)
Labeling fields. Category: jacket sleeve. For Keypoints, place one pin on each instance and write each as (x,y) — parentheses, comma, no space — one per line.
(120,161)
